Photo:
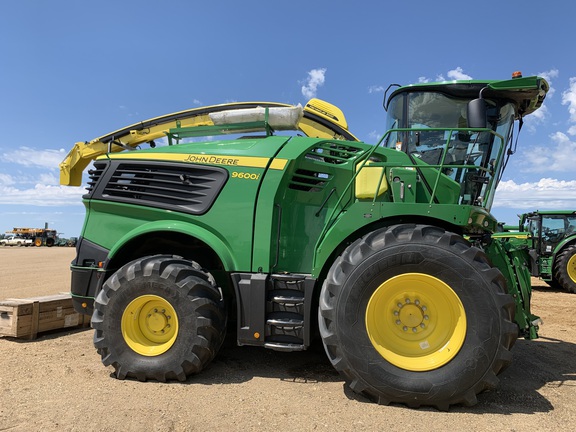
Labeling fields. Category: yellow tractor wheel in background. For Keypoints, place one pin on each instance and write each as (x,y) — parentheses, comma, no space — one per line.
(565,268)
(571,268)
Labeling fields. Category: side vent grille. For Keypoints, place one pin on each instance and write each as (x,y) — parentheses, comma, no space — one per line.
(94,175)
(309,181)
(333,153)
(186,188)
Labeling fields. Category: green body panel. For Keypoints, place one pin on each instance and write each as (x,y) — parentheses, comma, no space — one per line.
(218,244)
(363,216)
(230,220)
(313,187)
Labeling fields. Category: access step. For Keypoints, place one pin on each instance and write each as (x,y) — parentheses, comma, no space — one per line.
(278,346)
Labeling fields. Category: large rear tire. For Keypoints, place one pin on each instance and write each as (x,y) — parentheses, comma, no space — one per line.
(413,314)
(565,269)
(159,317)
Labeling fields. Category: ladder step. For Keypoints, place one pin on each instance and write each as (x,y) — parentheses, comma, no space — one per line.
(285,323)
(287,277)
(288,300)
(278,346)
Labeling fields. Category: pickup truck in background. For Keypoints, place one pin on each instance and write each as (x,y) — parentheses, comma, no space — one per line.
(16,241)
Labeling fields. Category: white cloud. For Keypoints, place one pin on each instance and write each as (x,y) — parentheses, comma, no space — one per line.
(569,98)
(557,157)
(316,78)
(49,179)
(41,195)
(375,89)
(454,74)
(537,117)
(374,136)
(27,156)
(549,76)
(546,193)
(6,180)
(458,74)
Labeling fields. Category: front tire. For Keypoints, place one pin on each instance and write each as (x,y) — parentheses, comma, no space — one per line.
(159,317)
(565,269)
(413,314)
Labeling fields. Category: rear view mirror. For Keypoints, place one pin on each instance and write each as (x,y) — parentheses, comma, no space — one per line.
(477,113)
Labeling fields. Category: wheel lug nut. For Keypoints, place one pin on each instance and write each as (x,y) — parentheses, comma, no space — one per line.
(405,328)
(422,325)
(398,322)
(424,308)
(414,329)
(407,301)
(399,305)
(417,302)
(426,317)
(396,313)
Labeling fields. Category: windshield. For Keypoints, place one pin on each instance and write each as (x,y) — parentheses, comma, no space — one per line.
(555,228)
(432,128)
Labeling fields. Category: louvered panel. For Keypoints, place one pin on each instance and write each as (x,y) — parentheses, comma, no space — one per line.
(181,187)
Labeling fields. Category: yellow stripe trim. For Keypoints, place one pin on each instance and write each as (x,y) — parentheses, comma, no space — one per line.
(278,164)
(510,235)
(225,160)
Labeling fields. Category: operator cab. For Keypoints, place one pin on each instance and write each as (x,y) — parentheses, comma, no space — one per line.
(549,230)
(431,124)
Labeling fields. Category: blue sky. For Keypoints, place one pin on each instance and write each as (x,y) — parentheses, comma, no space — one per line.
(72,71)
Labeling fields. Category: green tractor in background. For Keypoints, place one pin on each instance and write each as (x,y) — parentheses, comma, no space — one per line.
(384,252)
(549,240)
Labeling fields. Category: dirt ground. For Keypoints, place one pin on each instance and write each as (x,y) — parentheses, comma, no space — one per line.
(57,382)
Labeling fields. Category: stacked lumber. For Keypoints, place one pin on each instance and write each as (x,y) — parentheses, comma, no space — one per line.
(25,318)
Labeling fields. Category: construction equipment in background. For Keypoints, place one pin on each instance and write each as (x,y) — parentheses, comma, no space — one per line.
(548,238)
(40,236)
(384,250)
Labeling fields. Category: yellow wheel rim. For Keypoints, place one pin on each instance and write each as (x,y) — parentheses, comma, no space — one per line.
(571,268)
(149,325)
(416,322)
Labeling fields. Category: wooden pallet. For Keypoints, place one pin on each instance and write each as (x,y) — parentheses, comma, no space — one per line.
(25,318)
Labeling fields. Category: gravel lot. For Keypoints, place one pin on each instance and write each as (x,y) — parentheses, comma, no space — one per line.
(57,382)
